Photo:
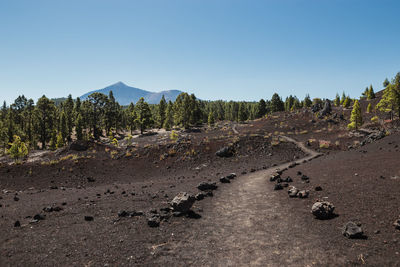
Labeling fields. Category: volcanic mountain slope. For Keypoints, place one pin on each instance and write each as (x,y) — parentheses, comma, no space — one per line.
(125,94)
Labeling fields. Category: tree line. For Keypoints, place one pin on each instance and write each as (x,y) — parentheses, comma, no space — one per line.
(52,124)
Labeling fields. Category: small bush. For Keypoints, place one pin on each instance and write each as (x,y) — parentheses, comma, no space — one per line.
(375,119)
(173,136)
(324,144)
(115,142)
(351,126)
(18,149)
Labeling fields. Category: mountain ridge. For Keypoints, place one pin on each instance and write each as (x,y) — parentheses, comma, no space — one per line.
(125,94)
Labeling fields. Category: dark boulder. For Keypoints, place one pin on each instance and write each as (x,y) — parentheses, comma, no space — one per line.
(153,220)
(352,230)
(274,177)
(303,194)
(278,187)
(88,218)
(323,210)
(205,186)
(200,196)
(39,217)
(231,176)
(17,224)
(224,180)
(225,152)
(292,192)
(182,202)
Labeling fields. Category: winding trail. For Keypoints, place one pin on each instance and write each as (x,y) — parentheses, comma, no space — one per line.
(244,224)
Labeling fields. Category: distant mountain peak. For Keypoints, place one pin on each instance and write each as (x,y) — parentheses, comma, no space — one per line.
(119,84)
(126,94)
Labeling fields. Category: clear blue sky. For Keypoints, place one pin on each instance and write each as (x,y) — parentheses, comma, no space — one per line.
(217,49)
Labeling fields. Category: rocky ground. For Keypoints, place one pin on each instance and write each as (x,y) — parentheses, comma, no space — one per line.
(111,206)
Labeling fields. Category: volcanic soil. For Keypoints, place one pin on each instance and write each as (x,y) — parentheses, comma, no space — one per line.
(244,223)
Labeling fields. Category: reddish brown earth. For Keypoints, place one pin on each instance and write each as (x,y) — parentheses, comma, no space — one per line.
(245,223)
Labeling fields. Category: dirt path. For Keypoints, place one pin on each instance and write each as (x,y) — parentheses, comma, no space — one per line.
(246,224)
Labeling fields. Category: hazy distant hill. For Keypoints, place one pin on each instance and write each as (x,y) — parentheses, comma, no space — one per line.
(125,94)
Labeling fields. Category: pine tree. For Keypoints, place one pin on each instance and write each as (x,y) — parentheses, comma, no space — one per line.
(356,117)
(369,108)
(277,103)
(69,116)
(366,92)
(242,115)
(64,131)
(60,141)
(307,101)
(96,103)
(111,112)
(182,110)
(371,93)
(18,148)
(343,98)
(162,106)
(79,127)
(390,101)
(261,109)
(195,111)
(211,119)
(386,83)
(53,140)
(347,102)
(143,113)
(44,116)
(169,116)
(336,102)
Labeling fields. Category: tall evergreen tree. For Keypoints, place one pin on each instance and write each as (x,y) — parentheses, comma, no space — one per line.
(307,101)
(97,102)
(162,108)
(242,116)
(261,109)
(182,110)
(63,131)
(169,116)
(356,117)
(370,93)
(337,100)
(390,101)
(386,83)
(143,115)
(44,116)
(277,103)
(79,127)
(69,116)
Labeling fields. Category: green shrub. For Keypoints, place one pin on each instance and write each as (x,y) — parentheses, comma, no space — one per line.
(115,142)
(18,149)
(375,119)
(173,136)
